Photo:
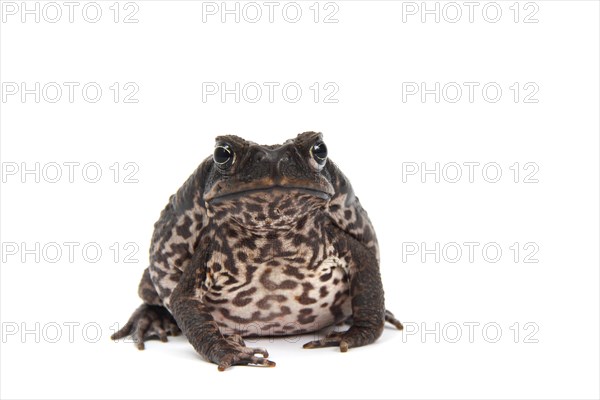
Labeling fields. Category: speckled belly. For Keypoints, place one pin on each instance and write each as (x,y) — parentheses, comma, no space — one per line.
(277,298)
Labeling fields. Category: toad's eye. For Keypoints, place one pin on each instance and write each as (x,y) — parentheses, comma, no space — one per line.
(223,155)
(319,152)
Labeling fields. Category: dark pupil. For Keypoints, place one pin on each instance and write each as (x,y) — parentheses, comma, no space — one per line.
(222,154)
(320,151)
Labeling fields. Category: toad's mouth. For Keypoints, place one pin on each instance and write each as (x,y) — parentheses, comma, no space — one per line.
(267,190)
(230,189)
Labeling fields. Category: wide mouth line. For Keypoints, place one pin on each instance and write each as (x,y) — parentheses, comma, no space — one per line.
(314,192)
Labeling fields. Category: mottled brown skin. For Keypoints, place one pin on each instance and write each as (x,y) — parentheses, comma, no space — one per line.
(271,242)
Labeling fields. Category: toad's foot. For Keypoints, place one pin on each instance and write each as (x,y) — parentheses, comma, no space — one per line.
(354,337)
(233,351)
(148,322)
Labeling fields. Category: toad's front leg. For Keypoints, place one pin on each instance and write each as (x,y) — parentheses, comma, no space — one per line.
(366,290)
(196,322)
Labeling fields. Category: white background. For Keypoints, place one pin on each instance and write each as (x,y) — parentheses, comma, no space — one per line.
(370,133)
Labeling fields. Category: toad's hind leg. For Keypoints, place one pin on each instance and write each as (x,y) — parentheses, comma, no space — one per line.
(151,320)
(389,318)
